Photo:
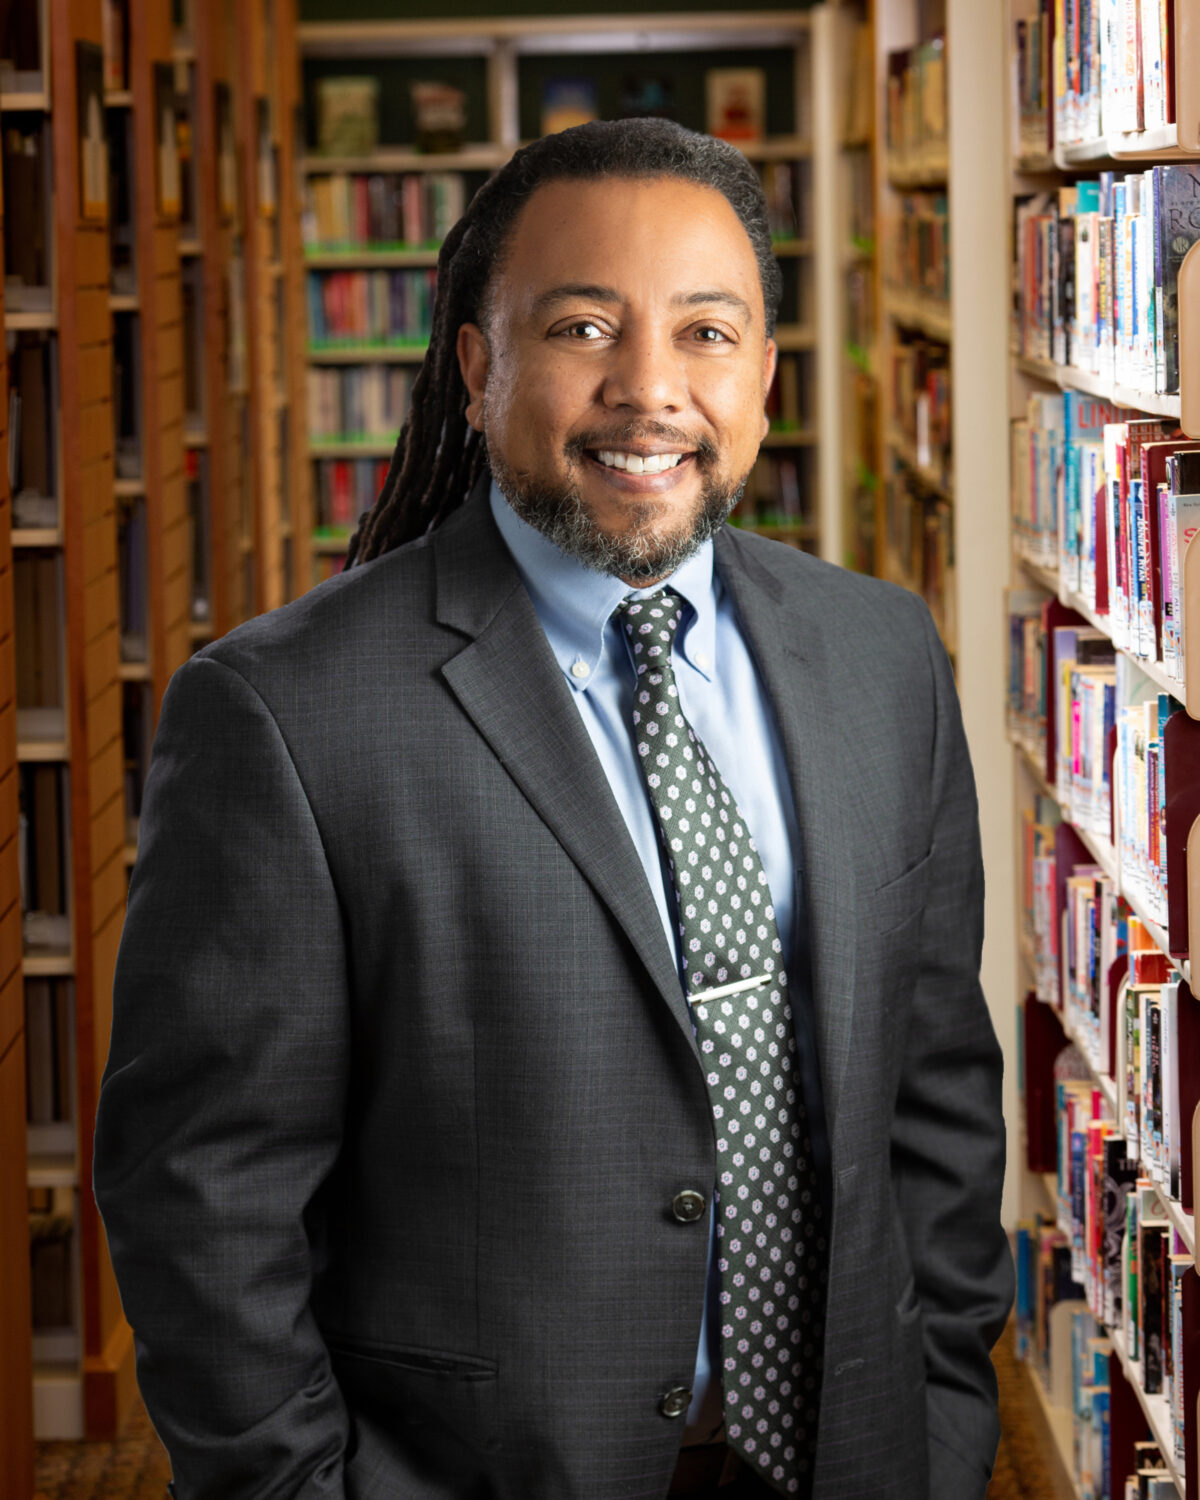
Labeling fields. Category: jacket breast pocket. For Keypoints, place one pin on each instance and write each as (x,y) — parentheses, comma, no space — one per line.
(892,904)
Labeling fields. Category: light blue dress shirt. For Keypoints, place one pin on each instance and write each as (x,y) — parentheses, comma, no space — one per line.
(724,700)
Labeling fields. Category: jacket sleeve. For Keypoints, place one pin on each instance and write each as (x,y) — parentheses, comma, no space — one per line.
(948,1137)
(222,1103)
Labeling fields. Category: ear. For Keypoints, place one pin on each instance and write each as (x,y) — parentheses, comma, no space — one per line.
(473,361)
(770,360)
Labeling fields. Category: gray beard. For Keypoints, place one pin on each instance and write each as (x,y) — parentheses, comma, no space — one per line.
(637,554)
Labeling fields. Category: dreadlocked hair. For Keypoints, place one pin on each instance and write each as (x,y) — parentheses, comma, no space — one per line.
(439,455)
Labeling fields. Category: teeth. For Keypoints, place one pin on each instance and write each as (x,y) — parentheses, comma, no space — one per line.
(634,463)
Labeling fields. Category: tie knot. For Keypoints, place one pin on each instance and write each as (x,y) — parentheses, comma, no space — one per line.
(651,625)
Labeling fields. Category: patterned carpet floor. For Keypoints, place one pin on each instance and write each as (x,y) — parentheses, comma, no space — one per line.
(135,1467)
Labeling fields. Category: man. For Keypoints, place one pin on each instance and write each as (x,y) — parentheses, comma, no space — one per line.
(548,1057)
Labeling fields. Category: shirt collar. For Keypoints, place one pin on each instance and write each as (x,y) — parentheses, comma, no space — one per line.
(574,603)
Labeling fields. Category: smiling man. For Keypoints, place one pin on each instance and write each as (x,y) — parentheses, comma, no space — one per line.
(548,1056)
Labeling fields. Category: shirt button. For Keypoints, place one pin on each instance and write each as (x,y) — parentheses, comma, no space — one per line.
(702,661)
(676,1402)
(688,1206)
(580,669)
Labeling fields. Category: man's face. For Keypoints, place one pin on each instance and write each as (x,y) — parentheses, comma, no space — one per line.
(621,378)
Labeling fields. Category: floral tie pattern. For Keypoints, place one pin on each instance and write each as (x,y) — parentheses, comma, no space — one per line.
(771,1235)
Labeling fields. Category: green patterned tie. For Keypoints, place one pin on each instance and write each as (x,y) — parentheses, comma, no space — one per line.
(771,1240)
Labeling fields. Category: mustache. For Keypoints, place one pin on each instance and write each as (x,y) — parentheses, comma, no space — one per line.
(703,449)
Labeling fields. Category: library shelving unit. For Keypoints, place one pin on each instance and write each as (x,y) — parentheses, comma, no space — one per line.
(16,1369)
(58,331)
(266,106)
(857,244)
(150,347)
(502,64)
(915,543)
(1062,583)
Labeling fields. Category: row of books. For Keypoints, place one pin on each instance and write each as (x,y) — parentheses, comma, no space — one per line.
(1112,501)
(919,400)
(369,307)
(917,245)
(42,858)
(916,102)
(790,399)
(1097,274)
(779,492)
(1107,728)
(1090,68)
(32,403)
(788,189)
(343,488)
(25,161)
(381,210)
(51,1239)
(919,539)
(350,403)
(49,1055)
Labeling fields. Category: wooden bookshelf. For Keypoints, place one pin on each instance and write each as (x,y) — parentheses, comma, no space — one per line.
(162,356)
(1035,574)
(804,137)
(16,1369)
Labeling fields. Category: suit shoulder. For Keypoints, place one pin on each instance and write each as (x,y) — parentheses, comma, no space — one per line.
(845,596)
(334,619)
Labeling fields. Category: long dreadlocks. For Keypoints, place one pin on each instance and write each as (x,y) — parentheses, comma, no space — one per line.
(438,455)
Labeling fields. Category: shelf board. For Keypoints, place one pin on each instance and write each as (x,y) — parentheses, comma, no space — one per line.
(784,248)
(798,437)
(43,752)
(129,489)
(371,448)
(37,536)
(367,354)
(190,246)
(199,631)
(479,157)
(928,315)
(1035,162)
(1103,853)
(1039,572)
(1067,377)
(129,853)
(930,169)
(792,337)
(53,1171)
(363,257)
(907,455)
(1154,670)
(195,437)
(1061,1423)
(650,32)
(32,320)
(800,531)
(24,99)
(123,302)
(48,965)
(1156,1409)
(1144,145)
(118,98)
(330,546)
(133,671)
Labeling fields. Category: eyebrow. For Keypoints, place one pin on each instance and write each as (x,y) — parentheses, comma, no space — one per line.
(592,292)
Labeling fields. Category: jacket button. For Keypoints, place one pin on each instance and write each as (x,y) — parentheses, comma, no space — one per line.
(688,1206)
(676,1402)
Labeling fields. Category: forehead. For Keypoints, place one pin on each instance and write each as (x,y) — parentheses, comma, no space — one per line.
(644,236)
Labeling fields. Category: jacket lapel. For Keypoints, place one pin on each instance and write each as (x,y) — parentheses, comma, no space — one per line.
(789,638)
(509,684)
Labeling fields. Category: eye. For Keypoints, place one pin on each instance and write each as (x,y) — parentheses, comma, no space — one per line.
(708,334)
(583,330)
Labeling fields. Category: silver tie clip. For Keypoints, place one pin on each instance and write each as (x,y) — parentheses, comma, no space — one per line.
(704,996)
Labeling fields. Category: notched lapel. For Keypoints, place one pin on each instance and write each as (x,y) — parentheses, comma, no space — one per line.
(509,684)
(789,640)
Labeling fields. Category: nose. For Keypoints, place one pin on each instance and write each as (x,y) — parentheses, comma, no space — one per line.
(645,375)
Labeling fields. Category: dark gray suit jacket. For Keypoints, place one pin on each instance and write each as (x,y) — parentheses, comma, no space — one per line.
(402,1083)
